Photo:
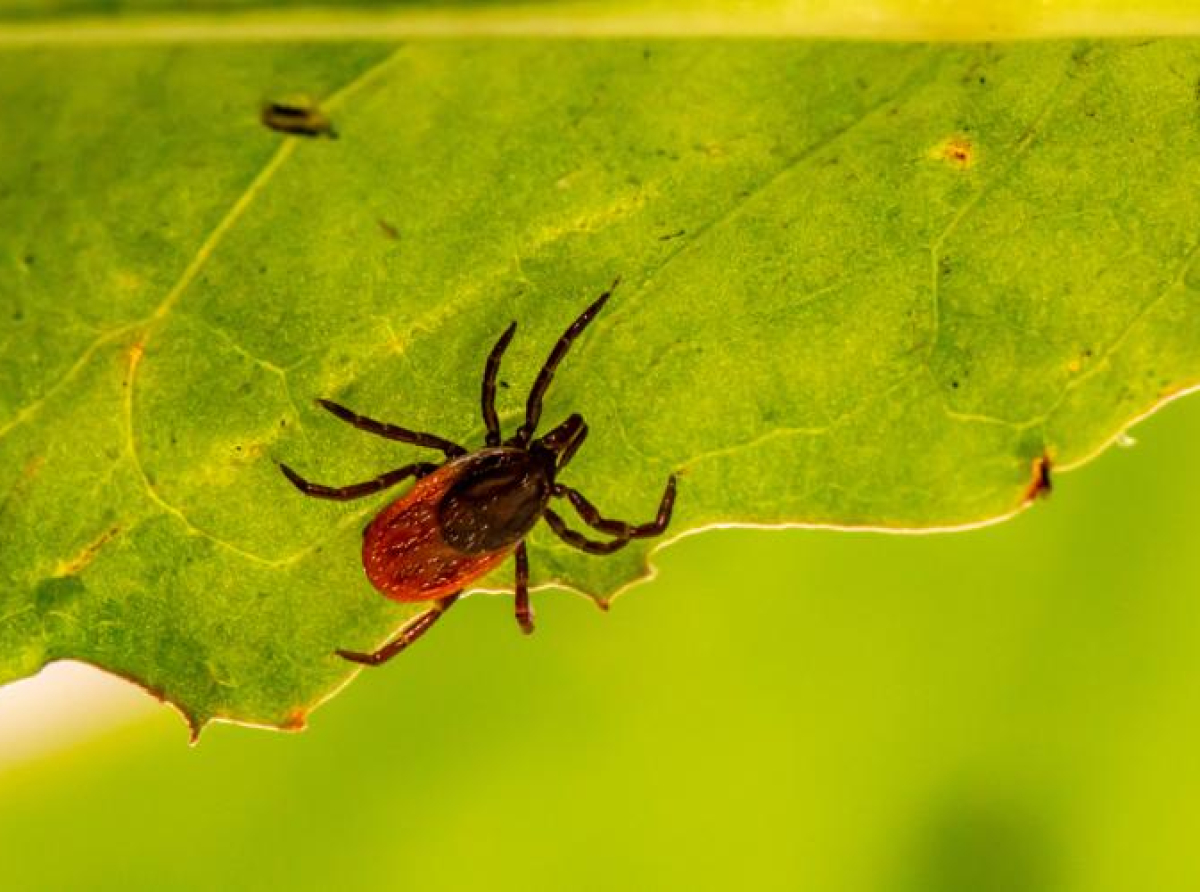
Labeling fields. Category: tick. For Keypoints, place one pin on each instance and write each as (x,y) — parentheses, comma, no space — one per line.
(465,515)
(299,117)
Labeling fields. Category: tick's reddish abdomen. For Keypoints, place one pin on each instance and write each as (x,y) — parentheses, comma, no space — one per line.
(456,524)
(404,553)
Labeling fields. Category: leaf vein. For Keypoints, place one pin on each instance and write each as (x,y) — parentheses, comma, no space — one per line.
(156,319)
(1022,146)
(791,165)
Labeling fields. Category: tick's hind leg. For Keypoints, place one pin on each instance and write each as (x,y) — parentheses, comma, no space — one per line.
(523,610)
(619,528)
(356,490)
(410,633)
(624,532)
(391,431)
(580,541)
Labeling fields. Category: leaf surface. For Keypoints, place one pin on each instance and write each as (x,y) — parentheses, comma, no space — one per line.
(863,285)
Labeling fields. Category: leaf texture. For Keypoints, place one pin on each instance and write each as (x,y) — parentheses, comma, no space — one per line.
(863,285)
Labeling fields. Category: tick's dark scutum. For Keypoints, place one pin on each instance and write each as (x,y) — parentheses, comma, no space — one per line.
(497,498)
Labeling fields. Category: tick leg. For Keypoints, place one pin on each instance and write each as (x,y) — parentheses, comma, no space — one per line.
(357,490)
(592,517)
(569,452)
(524,611)
(533,408)
(489,386)
(391,431)
(409,634)
(578,540)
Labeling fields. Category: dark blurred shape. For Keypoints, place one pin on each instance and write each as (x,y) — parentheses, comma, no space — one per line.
(299,116)
(982,844)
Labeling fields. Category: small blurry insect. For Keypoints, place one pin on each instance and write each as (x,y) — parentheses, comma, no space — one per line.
(299,116)
(465,516)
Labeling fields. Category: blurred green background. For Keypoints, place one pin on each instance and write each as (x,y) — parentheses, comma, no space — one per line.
(1016,708)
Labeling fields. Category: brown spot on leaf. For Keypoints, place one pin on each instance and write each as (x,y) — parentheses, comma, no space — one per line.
(18,490)
(956,150)
(80,561)
(249,452)
(33,466)
(388,229)
(1078,362)
(296,720)
(1040,484)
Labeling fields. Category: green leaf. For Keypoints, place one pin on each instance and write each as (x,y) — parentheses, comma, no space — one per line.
(864,285)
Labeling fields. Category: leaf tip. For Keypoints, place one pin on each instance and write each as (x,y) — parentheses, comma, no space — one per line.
(296,720)
(1040,483)
(195,727)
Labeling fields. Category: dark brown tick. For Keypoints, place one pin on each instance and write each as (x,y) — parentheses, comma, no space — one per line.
(299,117)
(466,515)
